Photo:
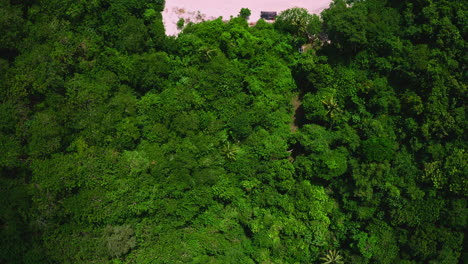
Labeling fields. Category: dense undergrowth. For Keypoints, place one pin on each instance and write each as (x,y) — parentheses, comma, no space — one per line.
(121,145)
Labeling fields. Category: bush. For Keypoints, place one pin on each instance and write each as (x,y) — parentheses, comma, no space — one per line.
(180,23)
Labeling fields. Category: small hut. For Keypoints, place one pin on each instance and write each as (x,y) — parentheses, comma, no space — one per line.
(268,15)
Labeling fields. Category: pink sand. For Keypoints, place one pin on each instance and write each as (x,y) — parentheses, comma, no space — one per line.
(197,11)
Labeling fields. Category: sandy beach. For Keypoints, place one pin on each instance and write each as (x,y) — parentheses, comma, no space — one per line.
(197,11)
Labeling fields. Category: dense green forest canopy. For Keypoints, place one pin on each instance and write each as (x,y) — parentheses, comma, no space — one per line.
(338,138)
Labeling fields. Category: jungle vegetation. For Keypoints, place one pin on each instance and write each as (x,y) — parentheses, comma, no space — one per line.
(119,144)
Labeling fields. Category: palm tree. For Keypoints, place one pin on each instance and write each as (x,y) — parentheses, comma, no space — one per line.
(332,257)
(230,151)
(332,107)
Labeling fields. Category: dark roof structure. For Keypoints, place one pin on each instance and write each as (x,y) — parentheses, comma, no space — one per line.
(268,15)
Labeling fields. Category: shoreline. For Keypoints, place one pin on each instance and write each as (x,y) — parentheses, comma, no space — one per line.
(203,10)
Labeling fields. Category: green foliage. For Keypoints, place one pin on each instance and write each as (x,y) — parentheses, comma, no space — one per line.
(378,149)
(226,144)
(11,26)
(180,23)
(245,13)
(361,26)
(332,107)
(119,240)
(332,256)
(299,22)
(230,151)
(11,151)
(450,173)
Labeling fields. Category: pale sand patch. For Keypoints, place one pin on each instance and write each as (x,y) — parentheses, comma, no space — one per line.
(197,11)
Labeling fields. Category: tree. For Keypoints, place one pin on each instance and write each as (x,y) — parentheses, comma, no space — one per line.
(229,151)
(332,107)
(119,240)
(120,144)
(299,22)
(180,23)
(332,257)
(378,149)
(245,13)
